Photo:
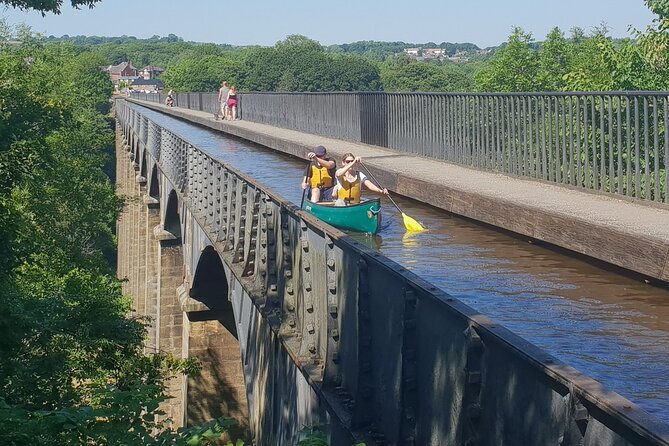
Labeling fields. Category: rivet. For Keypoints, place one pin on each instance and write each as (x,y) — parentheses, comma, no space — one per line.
(474,411)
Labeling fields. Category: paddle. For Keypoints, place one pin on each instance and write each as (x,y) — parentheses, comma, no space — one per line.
(304,193)
(409,223)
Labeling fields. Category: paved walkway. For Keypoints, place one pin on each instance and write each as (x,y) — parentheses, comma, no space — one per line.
(625,233)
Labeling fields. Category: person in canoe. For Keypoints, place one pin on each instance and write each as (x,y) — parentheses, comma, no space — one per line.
(350,182)
(320,175)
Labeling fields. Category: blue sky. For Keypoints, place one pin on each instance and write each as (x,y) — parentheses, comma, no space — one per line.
(264,22)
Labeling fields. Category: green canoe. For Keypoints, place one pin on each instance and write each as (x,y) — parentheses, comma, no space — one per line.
(361,217)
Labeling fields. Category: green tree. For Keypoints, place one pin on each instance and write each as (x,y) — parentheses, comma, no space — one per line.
(404,74)
(589,69)
(515,67)
(45,6)
(352,73)
(72,367)
(554,61)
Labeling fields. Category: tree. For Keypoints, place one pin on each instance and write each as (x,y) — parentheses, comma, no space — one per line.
(352,73)
(404,74)
(589,69)
(515,67)
(554,61)
(72,367)
(654,45)
(45,6)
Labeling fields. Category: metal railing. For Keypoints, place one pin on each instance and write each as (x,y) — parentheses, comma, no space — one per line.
(612,142)
(392,353)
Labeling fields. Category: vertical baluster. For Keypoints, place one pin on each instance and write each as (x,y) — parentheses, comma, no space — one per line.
(666,148)
(637,149)
(656,152)
(549,124)
(646,151)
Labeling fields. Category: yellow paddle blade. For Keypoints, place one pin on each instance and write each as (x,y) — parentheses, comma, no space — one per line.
(411,224)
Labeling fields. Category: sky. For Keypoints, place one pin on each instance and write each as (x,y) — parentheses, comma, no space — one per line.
(264,22)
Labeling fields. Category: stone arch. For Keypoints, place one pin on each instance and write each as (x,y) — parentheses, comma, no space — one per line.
(142,167)
(172,219)
(210,284)
(219,390)
(154,183)
(135,149)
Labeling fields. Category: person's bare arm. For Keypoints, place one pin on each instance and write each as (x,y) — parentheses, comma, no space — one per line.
(328,164)
(374,188)
(345,168)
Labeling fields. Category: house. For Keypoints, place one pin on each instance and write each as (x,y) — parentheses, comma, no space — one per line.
(459,57)
(124,69)
(124,82)
(434,53)
(412,52)
(147,85)
(151,72)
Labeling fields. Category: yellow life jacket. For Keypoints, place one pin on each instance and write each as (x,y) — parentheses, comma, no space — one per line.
(320,177)
(349,191)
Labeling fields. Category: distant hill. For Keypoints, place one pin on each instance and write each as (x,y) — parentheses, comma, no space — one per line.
(381,50)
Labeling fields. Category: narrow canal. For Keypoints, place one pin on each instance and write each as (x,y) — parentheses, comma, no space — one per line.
(609,326)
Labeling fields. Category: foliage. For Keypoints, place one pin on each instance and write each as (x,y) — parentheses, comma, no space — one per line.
(404,74)
(294,64)
(515,67)
(72,367)
(45,6)
(593,62)
(555,58)
(382,50)
(312,436)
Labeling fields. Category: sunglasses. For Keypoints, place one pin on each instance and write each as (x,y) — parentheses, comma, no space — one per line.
(348,161)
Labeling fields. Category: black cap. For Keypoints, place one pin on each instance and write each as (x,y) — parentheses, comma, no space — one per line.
(320,151)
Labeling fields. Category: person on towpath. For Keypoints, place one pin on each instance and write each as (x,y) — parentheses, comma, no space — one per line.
(223,99)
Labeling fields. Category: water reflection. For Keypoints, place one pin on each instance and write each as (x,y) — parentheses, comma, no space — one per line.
(607,325)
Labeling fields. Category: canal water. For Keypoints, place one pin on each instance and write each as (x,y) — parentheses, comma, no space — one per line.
(609,326)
